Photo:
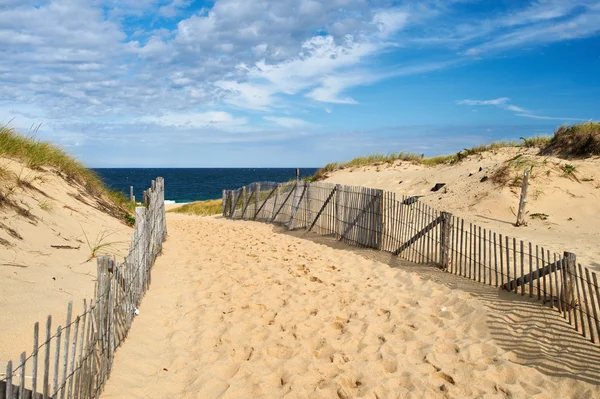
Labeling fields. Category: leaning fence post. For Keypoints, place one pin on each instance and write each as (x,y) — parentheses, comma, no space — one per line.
(523,201)
(567,289)
(224,202)
(445,238)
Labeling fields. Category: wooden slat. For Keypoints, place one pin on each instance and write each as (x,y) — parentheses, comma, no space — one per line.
(359,215)
(515,260)
(587,293)
(283,204)
(320,212)
(57,360)
(73,356)
(484,264)
(46,387)
(522,266)
(508,263)
(420,234)
(521,281)
(34,353)
(595,298)
(537,267)
(576,279)
(9,385)
(295,207)
(557,285)
(22,375)
(462,234)
(66,350)
(496,258)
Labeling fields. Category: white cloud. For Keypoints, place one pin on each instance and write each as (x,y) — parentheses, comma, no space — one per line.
(551,118)
(502,102)
(220,119)
(290,123)
(497,101)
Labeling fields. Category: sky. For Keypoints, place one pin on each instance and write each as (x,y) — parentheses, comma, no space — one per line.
(292,83)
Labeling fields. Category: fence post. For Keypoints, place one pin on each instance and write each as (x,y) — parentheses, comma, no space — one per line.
(243,200)
(523,201)
(231,204)
(309,213)
(256,199)
(445,239)
(224,202)
(339,211)
(567,294)
(380,219)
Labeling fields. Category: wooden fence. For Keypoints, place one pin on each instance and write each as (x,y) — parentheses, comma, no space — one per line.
(418,233)
(76,360)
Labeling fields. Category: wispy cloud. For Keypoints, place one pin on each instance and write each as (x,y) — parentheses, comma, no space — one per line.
(290,123)
(502,102)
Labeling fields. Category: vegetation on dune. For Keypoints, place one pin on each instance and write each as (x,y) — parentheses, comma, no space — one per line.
(568,141)
(201,208)
(38,155)
(580,140)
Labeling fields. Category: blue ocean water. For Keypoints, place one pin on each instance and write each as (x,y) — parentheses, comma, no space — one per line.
(187,185)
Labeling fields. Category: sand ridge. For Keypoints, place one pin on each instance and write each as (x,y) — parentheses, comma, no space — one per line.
(45,257)
(571,203)
(237,310)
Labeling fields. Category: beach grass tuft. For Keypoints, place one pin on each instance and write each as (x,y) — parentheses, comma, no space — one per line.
(40,155)
(573,141)
(201,208)
(568,141)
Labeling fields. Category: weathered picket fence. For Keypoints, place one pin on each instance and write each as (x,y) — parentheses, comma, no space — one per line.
(76,360)
(418,233)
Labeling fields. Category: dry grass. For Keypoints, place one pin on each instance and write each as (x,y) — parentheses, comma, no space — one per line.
(417,159)
(573,141)
(37,155)
(568,141)
(201,208)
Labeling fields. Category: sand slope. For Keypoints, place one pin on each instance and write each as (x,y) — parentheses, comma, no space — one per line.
(236,310)
(572,203)
(37,279)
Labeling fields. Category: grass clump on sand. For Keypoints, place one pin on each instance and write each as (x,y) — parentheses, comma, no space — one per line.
(580,140)
(568,141)
(201,208)
(418,159)
(37,155)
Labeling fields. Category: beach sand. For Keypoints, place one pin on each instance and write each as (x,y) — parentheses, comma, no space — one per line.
(571,203)
(238,310)
(45,253)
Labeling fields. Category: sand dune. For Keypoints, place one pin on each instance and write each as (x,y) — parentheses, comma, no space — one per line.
(570,202)
(44,252)
(237,310)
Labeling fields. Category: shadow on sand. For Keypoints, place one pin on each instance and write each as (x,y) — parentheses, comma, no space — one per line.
(539,336)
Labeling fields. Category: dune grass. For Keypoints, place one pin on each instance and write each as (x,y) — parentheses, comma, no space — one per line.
(572,141)
(568,141)
(201,208)
(37,155)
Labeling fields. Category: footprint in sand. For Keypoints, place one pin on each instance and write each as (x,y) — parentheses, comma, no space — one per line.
(280,351)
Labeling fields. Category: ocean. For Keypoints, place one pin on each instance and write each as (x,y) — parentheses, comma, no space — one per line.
(188,185)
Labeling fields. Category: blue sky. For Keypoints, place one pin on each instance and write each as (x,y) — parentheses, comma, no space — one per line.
(294,83)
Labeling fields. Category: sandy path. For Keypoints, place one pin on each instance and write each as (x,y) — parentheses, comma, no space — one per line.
(238,311)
